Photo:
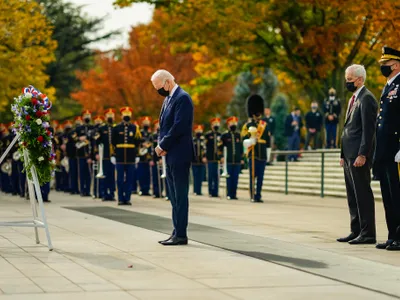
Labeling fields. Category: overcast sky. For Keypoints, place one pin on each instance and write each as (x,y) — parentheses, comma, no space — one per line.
(122,19)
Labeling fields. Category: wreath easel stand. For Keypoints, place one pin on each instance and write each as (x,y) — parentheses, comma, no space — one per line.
(34,189)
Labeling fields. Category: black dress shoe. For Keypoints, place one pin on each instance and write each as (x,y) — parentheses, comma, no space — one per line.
(175,241)
(170,237)
(363,240)
(257,201)
(395,246)
(348,238)
(384,245)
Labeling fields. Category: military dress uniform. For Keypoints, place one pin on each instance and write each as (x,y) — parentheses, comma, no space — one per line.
(126,139)
(15,175)
(95,136)
(67,127)
(71,139)
(332,108)
(234,145)
(213,141)
(143,168)
(198,166)
(5,142)
(387,146)
(107,184)
(84,153)
(156,171)
(57,143)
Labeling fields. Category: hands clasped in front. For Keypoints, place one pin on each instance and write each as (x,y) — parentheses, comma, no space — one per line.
(359,162)
(160,152)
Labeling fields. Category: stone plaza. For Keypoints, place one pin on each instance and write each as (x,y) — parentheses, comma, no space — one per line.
(283,249)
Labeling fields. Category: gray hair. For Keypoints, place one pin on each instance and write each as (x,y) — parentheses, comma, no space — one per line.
(357,71)
(163,75)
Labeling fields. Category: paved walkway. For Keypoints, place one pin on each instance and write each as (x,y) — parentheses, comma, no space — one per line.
(282,249)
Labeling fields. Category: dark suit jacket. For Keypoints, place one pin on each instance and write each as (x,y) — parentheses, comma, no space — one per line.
(358,136)
(388,127)
(176,123)
(289,128)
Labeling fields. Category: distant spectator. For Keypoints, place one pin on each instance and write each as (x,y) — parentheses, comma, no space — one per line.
(332,112)
(293,125)
(271,127)
(314,124)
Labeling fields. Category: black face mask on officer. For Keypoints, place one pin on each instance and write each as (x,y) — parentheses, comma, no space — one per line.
(233,127)
(146,127)
(87,120)
(162,91)
(110,120)
(386,70)
(126,118)
(198,134)
(215,128)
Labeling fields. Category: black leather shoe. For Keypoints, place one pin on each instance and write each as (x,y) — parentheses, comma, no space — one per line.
(348,238)
(363,240)
(175,241)
(257,201)
(395,246)
(170,237)
(384,245)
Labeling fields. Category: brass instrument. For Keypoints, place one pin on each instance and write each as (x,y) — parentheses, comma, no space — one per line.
(164,167)
(250,143)
(225,164)
(6,168)
(16,156)
(100,174)
(65,164)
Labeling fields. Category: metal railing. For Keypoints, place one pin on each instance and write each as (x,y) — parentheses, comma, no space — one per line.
(286,153)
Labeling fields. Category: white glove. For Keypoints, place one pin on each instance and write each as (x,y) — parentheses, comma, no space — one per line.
(397,157)
(137,160)
(113,160)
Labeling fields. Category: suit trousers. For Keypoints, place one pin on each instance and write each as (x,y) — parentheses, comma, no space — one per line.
(124,181)
(233,179)
(73,175)
(198,175)
(294,144)
(360,199)
(213,183)
(390,188)
(259,169)
(178,185)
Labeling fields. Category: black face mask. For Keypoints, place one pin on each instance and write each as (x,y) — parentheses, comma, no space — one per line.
(216,128)
(233,128)
(386,70)
(198,134)
(126,118)
(163,92)
(67,130)
(146,128)
(332,94)
(110,120)
(351,87)
(87,120)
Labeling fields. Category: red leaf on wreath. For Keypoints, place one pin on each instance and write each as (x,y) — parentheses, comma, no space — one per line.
(39,114)
(28,117)
(34,101)
(48,132)
(40,139)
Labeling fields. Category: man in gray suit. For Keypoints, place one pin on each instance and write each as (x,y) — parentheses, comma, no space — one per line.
(358,144)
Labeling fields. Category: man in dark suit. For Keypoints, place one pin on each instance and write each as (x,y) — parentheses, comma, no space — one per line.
(293,125)
(176,143)
(358,142)
(387,153)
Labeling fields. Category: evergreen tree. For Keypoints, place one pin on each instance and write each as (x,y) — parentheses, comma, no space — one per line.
(279,110)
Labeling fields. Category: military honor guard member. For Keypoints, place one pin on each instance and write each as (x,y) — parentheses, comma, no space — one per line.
(96,183)
(57,143)
(198,164)
(232,140)
(332,111)
(213,141)
(257,153)
(71,139)
(126,138)
(84,152)
(143,168)
(271,126)
(5,168)
(387,152)
(65,167)
(107,184)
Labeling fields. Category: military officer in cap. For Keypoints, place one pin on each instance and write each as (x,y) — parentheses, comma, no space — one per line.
(198,164)
(126,138)
(143,169)
(256,153)
(84,152)
(332,111)
(57,143)
(65,166)
(232,140)
(73,173)
(97,187)
(213,141)
(107,184)
(387,153)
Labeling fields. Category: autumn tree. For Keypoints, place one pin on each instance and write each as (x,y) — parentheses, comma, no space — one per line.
(26,48)
(123,77)
(74,32)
